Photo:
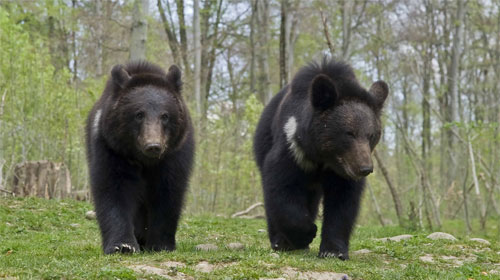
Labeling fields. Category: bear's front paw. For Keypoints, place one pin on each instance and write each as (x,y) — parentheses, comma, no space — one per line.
(156,247)
(280,244)
(331,254)
(123,248)
(334,249)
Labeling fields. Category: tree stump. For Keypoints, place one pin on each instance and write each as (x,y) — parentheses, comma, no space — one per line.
(43,178)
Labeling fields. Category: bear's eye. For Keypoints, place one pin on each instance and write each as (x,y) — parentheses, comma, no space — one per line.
(164,117)
(139,116)
(351,134)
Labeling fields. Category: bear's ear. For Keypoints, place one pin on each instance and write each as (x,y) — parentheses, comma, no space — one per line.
(119,75)
(379,90)
(174,77)
(323,92)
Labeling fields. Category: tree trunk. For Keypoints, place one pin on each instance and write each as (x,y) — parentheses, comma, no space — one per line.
(197,55)
(183,35)
(42,179)
(73,45)
(252,45)
(172,39)
(210,58)
(284,37)
(394,193)
(453,85)
(293,21)
(263,79)
(345,8)
(426,112)
(2,160)
(139,30)
(375,204)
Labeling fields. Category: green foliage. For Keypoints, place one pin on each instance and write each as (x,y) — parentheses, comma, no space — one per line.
(226,178)
(43,114)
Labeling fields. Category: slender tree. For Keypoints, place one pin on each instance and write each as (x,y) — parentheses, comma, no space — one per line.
(139,30)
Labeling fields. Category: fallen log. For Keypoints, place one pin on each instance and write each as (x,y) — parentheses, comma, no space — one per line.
(246,211)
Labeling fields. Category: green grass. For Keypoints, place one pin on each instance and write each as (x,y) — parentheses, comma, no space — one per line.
(38,240)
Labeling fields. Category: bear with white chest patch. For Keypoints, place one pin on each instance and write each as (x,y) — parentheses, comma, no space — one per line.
(140,150)
(314,140)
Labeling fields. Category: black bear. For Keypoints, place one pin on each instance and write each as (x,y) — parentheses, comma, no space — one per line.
(315,139)
(140,150)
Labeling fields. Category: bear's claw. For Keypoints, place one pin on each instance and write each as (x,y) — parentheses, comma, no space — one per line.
(124,249)
(328,254)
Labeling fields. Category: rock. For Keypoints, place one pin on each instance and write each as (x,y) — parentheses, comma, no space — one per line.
(261,230)
(361,252)
(235,246)
(427,258)
(90,215)
(206,247)
(441,235)
(397,238)
(204,267)
(275,255)
(482,241)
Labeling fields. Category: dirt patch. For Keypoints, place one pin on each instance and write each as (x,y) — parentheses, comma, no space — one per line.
(172,264)
(362,252)
(207,267)
(397,238)
(204,267)
(451,261)
(293,273)
(428,258)
(170,273)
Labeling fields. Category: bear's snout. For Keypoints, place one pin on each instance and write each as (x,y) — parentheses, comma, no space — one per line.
(152,140)
(358,161)
(365,170)
(153,149)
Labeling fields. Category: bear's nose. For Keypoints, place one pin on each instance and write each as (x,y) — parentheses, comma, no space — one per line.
(154,148)
(365,170)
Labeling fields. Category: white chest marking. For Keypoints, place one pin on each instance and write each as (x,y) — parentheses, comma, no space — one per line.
(290,129)
(95,123)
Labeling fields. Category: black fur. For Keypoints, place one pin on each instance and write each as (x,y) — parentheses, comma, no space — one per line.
(337,127)
(138,190)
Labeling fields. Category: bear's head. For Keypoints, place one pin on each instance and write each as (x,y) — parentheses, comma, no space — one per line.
(147,118)
(343,124)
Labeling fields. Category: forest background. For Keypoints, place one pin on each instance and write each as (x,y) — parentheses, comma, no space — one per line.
(438,159)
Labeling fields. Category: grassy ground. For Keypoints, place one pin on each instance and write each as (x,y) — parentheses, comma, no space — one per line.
(52,239)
